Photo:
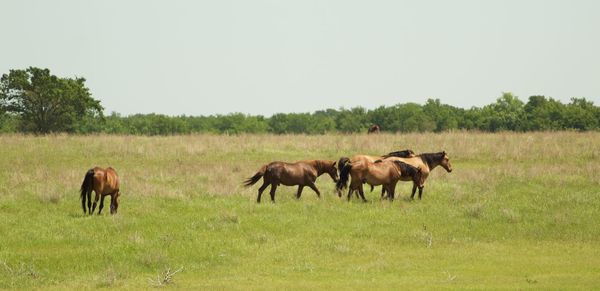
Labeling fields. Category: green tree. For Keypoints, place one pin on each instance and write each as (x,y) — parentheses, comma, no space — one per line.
(279,123)
(353,120)
(506,114)
(46,103)
(544,114)
(445,116)
(581,114)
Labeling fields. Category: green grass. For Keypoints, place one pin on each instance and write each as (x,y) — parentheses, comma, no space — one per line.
(519,211)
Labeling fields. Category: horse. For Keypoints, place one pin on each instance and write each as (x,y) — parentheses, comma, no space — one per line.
(301,173)
(373,129)
(380,172)
(104,182)
(407,153)
(426,162)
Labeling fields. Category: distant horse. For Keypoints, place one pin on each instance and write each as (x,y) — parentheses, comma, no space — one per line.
(103,182)
(426,162)
(374,129)
(382,172)
(302,173)
(407,153)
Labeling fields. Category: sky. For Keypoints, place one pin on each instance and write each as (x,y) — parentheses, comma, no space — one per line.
(270,56)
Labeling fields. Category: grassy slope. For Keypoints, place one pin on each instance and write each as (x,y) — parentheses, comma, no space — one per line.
(518,211)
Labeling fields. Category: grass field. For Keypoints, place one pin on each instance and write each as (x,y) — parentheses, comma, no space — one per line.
(519,211)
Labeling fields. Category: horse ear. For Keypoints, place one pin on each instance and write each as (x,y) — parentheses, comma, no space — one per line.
(444,152)
(333,165)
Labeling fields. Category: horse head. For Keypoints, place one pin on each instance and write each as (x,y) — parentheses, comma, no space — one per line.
(445,162)
(332,170)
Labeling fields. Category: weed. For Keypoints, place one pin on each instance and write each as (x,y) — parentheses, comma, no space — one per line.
(164,278)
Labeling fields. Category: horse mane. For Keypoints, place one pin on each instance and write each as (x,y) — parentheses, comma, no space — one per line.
(320,165)
(401,154)
(431,158)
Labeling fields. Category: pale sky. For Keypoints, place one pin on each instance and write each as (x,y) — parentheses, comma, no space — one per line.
(264,57)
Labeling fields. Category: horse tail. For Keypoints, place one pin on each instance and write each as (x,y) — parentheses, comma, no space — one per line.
(86,186)
(341,163)
(252,180)
(344,174)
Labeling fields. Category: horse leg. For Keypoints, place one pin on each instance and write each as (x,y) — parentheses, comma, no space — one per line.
(83,203)
(391,193)
(421,191)
(261,189)
(383,196)
(114,202)
(362,194)
(89,202)
(272,193)
(312,186)
(350,193)
(299,193)
(95,202)
(414,190)
(102,204)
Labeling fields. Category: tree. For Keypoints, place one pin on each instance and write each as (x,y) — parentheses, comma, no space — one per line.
(46,103)
(353,120)
(446,117)
(506,114)
(544,114)
(581,114)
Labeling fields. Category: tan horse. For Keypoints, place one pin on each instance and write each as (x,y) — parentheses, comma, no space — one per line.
(103,182)
(382,172)
(302,173)
(366,159)
(371,159)
(426,163)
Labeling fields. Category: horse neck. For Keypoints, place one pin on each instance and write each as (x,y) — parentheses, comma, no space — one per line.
(320,166)
(430,161)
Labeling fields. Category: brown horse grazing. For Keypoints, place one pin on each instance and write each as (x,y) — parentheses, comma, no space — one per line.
(374,129)
(381,172)
(103,182)
(426,162)
(302,173)
(407,153)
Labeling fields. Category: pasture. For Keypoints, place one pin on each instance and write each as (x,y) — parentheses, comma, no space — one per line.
(519,211)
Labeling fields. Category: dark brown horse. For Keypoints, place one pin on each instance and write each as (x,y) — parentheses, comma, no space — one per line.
(374,129)
(382,172)
(302,173)
(103,182)
(426,162)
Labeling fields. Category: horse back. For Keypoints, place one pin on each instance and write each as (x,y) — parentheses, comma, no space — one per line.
(291,173)
(364,159)
(106,180)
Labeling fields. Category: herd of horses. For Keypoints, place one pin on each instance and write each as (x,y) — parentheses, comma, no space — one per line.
(386,170)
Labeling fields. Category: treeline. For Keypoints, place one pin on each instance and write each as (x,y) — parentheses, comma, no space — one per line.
(33,100)
(507,113)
